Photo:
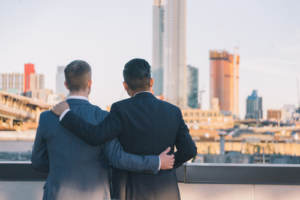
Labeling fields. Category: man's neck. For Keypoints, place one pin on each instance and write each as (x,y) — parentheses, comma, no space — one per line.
(79,93)
(140,91)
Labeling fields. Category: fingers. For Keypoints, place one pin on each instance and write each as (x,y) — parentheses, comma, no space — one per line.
(59,108)
(167,160)
(167,150)
(171,157)
(171,161)
(53,110)
(170,165)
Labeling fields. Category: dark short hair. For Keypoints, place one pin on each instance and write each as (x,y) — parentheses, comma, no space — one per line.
(77,75)
(137,74)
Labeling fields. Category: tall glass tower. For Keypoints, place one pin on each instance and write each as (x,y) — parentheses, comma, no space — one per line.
(175,72)
(254,106)
(158,46)
(192,86)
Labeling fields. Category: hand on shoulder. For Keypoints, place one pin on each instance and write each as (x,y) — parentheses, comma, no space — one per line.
(59,108)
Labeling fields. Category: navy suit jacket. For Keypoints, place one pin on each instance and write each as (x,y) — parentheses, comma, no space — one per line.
(75,169)
(145,125)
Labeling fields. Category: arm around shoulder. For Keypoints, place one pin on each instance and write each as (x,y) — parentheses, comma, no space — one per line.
(118,158)
(94,135)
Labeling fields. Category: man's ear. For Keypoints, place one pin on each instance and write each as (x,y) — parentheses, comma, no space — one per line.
(151,85)
(66,85)
(90,83)
(151,82)
(125,86)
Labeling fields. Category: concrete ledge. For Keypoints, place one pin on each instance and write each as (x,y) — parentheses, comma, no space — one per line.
(19,171)
(242,174)
(189,173)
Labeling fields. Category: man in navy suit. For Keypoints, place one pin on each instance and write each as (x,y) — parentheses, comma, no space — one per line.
(77,170)
(144,125)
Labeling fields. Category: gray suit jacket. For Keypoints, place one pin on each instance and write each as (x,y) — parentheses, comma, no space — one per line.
(75,169)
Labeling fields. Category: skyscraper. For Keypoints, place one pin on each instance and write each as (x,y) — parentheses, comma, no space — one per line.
(28,69)
(192,86)
(60,81)
(158,46)
(224,80)
(254,108)
(175,72)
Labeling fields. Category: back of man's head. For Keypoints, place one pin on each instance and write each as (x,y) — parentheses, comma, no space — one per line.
(137,74)
(77,75)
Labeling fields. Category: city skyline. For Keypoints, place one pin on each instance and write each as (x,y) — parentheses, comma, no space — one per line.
(46,35)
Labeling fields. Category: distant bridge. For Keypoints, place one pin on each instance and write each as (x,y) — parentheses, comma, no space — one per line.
(19,112)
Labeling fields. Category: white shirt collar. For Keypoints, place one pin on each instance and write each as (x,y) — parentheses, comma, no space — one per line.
(78,97)
(142,92)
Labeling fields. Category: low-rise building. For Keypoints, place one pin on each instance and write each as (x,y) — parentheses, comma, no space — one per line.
(12,82)
(213,119)
(274,115)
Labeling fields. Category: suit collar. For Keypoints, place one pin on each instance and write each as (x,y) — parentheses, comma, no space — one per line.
(77,100)
(144,94)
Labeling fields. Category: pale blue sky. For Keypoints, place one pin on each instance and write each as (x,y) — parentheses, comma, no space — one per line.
(109,33)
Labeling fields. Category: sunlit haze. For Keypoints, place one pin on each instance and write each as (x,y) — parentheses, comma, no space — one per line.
(108,33)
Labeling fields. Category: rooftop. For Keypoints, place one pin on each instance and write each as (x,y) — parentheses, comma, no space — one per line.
(196,181)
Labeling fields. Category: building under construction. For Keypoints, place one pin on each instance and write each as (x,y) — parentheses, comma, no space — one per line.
(224,80)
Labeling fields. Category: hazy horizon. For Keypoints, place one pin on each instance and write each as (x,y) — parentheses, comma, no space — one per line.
(108,33)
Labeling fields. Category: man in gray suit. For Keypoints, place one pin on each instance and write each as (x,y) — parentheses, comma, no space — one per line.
(75,169)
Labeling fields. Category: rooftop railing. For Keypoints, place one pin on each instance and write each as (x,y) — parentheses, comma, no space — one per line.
(18,180)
